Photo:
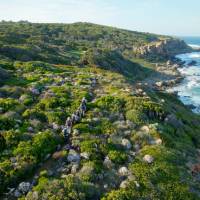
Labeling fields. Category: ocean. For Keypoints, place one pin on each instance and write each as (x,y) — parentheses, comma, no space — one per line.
(189,89)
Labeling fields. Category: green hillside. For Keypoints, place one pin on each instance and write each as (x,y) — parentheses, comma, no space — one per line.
(134,142)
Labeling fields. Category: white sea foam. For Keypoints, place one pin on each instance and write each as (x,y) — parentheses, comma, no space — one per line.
(194,46)
(189,89)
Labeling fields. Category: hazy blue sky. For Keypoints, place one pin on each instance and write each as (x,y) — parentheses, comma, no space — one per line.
(176,17)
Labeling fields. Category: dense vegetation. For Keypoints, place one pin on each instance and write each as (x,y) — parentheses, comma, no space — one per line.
(45,71)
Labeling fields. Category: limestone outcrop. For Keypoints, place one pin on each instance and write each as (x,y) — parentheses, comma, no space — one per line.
(163,49)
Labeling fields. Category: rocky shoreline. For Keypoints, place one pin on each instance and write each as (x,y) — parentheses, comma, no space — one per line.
(165,75)
(172,68)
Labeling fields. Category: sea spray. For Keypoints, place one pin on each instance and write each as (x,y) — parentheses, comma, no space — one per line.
(189,89)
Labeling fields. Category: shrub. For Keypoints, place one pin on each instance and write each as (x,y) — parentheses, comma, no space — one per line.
(7,123)
(136,116)
(57,117)
(34,114)
(12,138)
(117,157)
(8,104)
(2,143)
(42,144)
(71,188)
(110,103)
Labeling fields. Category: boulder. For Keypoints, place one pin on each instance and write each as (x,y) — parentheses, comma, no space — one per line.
(126,143)
(85,155)
(130,124)
(35,91)
(107,162)
(123,171)
(158,141)
(87,169)
(24,187)
(76,132)
(64,176)
(137,147)
(30,129)
(131,177)
(95,119)
(137,184)
(145,129)
(35,195)
(23,97)
(159,84)
(124,184)
(55,126)
(13,159)
(148,159)
(73,156)
(74,168)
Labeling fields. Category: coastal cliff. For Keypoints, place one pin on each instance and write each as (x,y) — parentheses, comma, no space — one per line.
(162,50)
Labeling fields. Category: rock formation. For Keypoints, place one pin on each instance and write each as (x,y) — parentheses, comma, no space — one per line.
(163,49)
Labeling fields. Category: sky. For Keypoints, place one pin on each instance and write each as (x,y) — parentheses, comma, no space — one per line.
(170,17)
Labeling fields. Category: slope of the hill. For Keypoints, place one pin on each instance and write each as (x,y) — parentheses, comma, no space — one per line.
(66,43)
(134,142)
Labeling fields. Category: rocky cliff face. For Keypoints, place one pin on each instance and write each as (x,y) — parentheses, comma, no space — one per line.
(162,50)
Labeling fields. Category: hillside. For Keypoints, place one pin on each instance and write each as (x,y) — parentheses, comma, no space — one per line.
(134,141)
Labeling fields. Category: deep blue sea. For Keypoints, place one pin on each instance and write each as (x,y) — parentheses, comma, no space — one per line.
(189,89)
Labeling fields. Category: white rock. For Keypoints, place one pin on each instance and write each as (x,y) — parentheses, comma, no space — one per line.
(127,133)
(159,84)
(74,168)
(55,126)
(107,162)
(73,156)
(13,159)
(126,143)
(123,171)
(63,176)
(137,184)
(137,147)
(24,187)
(35,91)
(95,119)
(35,195)
(85,155)
(158,141)
(131,177)
(124,184)
(132,153)
(145,129)
(149,159)
(30,129)
(87,170)
(75,132)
